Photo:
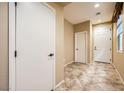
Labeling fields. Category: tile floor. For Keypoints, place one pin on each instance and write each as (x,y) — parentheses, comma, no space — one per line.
(91,77)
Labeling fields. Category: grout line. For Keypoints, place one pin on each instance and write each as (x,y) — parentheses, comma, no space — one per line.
(68,63)
(118,73)
(59,83)
(63,80)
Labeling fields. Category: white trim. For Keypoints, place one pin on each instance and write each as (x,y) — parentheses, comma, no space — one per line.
(50,7)
(59,84)
(11,46)
(12,60)
(68,63)
(118,73)
(54,73)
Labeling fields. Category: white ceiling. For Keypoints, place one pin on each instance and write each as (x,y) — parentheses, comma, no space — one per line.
(83,11)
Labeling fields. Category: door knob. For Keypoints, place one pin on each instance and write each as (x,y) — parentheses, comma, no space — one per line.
(95,48)
(51,54)
(77,49)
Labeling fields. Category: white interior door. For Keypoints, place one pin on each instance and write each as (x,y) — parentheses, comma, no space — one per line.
(81,47)
(35,33)
(103,43)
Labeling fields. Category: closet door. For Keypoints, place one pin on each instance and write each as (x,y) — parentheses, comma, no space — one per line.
(35,33)
(81,47)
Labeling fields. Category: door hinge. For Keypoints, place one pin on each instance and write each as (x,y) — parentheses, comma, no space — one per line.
(15,3)
(15,54)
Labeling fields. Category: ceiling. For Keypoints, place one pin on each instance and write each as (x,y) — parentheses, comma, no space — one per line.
(78,12)
(63,4)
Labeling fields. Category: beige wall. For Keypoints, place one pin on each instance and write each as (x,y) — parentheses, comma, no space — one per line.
(118,58)
(86,26)
(68,42)
(4,74)
(59,42)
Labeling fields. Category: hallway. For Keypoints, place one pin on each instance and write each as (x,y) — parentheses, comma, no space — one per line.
(91,77)
(61,46)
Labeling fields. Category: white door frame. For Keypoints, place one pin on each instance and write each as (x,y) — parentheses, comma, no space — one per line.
(86,52)
(12,43)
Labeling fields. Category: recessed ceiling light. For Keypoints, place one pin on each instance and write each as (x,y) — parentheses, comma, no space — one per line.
(97,5)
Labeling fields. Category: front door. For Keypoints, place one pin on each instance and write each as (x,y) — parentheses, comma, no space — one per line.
(103,43)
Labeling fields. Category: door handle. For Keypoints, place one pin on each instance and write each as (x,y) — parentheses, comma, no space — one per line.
(76,48)
(95,48)
(51,54)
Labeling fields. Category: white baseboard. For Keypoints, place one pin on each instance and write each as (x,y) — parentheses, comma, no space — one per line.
(118,73)
(68,63)
(59,83)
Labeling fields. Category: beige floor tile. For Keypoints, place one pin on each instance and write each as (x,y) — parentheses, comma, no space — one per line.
(91,77)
